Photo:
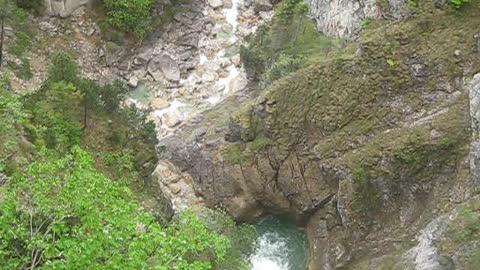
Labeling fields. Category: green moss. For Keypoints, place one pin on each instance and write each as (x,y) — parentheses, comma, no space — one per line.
(473,258)
(260,143)
(367,197)
(338,103)
(233,154)
(246,119)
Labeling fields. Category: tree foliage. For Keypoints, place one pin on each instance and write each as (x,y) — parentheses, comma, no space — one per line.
(459,3)
(130,15)
(63,211)
(13,117)
(63,67)
(63,214)
(284,45)
(37,6)
(241,236)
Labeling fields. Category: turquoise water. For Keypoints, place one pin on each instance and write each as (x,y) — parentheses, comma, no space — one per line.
(141,94)
(280,246)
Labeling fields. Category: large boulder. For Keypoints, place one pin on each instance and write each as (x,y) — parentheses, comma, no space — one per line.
(166,65)
(215,3)
(262,5)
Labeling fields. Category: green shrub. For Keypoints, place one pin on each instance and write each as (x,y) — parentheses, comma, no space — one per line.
(284,65)
(474,259)
(112,95)
(459,3)
(130,15)
(367,195)
(23,41)
(260,143)
(13,117)
(78,218)
(391,63)
(290,8)
(22,70)
(242,238)
(63,67)
(470,223)
(61,133)
(37,6)
(285,44)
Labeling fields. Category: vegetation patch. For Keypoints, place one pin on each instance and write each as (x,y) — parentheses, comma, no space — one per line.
(260,143)
(233,154)
(130,15)
(285,45)
(367,197)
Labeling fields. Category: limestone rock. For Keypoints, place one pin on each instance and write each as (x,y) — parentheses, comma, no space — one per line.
(3,179)
(227,4)
(209,76)
(215,3)
(142,58)
(262,5)
(342,18)
(133,81)
(159,104)
(474,93)
(236,60)
(190,40)
(172,119)
(166,65)
(238,83)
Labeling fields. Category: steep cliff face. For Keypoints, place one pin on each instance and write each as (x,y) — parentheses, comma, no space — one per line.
(374,150)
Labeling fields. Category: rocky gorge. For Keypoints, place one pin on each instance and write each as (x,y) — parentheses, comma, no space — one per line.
(373,149)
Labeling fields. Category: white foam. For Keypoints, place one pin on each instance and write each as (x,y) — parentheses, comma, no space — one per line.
(231,14)
(203,59)
(233,72)
(271,253)
(174,108)
(214,99)
(135,102)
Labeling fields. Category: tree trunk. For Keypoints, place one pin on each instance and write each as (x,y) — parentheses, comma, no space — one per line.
(1,41)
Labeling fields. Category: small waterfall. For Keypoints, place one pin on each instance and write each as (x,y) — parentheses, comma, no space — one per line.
(280,246)
(270,253)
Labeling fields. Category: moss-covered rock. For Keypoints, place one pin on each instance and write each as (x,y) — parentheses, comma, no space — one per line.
(364,146)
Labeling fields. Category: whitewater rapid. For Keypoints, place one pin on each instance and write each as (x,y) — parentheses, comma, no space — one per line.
(271,253)
(280,245)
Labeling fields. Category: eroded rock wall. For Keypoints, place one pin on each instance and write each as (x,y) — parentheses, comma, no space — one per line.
(365,149)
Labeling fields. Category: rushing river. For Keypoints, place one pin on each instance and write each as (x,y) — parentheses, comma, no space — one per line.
(280,246)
